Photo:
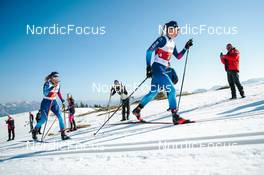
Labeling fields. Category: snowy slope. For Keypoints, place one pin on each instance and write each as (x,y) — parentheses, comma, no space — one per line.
(228,138)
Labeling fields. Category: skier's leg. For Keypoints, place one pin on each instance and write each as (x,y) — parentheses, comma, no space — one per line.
(70,120)
(9,134)
(150,96)
(45,105)
(128,109)
(231,84)
(74,125)
(123,110)
(238,84)
(171,92)
(39,131)
(56,110)
(147,98)
(13,133)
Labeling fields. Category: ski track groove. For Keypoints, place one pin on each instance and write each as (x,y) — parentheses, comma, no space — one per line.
(147,145)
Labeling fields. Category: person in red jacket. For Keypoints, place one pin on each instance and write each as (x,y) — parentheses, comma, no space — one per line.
(231,62)
(11,128)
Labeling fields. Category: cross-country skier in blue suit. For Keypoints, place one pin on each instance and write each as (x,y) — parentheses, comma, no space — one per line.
(163,48)
(51,90)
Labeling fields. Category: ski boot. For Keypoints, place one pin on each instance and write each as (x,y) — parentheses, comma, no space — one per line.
(64,136)
(34,134)
(177,120)
(242,94)
(136,112)
(233,98)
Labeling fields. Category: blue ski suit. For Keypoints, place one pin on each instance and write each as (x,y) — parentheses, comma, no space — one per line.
(49,103)
(164,48)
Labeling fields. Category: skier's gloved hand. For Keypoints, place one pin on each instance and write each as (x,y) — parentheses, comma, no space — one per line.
(221,55)
(149,72)
(188,44)
(63,104)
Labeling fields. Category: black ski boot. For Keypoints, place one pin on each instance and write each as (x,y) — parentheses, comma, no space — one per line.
(34,134)
(233,98)
(242,94)
(64,136)
(177,120)
(136,112)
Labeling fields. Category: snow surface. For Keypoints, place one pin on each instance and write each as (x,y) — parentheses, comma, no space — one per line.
(228,138)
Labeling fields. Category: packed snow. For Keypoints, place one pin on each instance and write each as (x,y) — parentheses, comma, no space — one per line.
(227,138)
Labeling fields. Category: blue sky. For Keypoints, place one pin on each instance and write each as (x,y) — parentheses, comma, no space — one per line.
(131,26)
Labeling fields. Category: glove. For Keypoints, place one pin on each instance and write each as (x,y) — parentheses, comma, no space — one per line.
(188,44)
(63,104)
(149,72)
(221,55)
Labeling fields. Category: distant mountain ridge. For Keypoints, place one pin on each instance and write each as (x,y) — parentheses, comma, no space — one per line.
(18,107)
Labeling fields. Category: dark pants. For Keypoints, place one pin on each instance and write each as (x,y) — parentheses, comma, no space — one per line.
(233,80)
(11,131)
(125,109)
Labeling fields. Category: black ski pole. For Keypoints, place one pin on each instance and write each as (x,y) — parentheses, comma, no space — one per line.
(108,105)
(120,106)
(183,77)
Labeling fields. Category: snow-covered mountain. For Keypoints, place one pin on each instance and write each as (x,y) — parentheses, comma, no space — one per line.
(18,107)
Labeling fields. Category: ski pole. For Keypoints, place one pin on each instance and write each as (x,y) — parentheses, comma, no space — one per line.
(46,120)
(120,106)
(49,128)
(108,106)
(64,115)
(183,77)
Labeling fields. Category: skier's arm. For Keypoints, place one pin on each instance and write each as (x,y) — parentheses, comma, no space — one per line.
(125,91)
(60,96)
(177,54)
(160,42)
(112,91)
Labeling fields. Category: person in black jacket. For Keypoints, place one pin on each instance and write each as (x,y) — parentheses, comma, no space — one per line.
(71,109)
(119,88)
(37,120)
(31,121)
(11,128)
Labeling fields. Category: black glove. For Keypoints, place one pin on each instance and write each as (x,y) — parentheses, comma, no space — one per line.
(188,44)
(149,72)
(221,54)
